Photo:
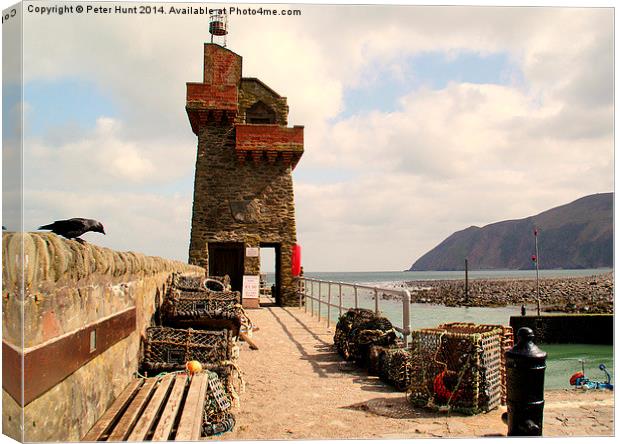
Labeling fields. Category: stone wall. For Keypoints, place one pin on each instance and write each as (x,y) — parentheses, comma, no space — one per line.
(67,288)
(251,203)
(253,90)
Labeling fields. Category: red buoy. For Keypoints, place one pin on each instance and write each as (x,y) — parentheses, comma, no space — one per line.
(573,379)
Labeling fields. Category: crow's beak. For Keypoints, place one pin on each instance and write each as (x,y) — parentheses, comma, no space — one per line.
(103,231)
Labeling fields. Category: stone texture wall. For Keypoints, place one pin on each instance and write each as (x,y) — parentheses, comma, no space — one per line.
(253,90)
(249,203)
(68,286)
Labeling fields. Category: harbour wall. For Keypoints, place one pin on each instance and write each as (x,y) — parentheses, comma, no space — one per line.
(72,319)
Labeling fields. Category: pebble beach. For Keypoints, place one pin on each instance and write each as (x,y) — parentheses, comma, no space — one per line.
(591,294)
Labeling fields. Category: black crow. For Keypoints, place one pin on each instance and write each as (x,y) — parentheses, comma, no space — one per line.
(73,228)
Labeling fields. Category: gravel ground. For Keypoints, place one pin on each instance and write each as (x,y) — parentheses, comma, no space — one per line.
(297,387)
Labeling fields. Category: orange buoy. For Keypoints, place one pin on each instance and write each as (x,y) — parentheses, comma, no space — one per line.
(193,367)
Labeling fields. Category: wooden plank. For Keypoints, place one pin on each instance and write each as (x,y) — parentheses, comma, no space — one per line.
(130,416)
(148,417)
(164,427)
(191,417)
(113,412)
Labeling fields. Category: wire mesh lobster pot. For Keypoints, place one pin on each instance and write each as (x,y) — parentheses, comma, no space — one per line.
(217,418)
(199,283)
(457,367)
(376,358)
(359,329)
(168,349)
(230,377)
(207,309)
(395,367)
(507,342)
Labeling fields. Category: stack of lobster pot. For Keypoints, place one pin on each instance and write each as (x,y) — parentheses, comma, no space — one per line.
(202,303)
(359,329)
(200,321)
(458,367)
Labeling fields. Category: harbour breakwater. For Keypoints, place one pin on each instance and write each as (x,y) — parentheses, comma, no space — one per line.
(591,294)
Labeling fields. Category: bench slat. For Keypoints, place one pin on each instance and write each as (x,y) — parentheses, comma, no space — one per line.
(112,413)
(164,427)
(146,421)
(130,416)
(191,418)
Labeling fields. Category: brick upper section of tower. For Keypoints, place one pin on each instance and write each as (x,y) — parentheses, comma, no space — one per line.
(258,113)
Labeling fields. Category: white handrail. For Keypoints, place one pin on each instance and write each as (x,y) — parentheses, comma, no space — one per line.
(304,296)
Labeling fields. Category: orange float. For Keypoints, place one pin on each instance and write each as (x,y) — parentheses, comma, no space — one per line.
(193,367)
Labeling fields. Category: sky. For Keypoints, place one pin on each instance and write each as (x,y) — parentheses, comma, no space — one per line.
(419,121)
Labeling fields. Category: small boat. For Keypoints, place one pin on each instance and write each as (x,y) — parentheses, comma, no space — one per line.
(579,379)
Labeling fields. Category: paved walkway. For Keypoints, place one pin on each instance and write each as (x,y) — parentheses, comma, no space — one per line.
(298,388)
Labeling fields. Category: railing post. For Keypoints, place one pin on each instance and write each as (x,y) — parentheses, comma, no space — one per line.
(320,299)
(376,302)
(340,299)
(312,301)
(406,316)
(355,294)
(329,302)
(305,297)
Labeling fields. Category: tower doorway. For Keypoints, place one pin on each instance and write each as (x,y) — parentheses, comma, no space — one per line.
(270,263)
(227,258)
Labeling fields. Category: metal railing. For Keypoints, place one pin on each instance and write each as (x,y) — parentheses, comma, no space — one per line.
(319,292)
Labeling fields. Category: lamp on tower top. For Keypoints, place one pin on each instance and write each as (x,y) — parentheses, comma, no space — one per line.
(218,28)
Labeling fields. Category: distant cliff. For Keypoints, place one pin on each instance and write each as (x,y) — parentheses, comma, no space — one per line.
(575,235)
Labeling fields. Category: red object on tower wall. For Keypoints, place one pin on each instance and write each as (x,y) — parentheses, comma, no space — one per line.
(296,260)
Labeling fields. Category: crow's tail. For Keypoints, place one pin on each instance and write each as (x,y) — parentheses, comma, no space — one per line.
(46,227)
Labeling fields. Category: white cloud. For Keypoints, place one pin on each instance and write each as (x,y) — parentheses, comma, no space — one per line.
(102,157)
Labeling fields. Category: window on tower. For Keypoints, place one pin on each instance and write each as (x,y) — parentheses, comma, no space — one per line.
(260,113)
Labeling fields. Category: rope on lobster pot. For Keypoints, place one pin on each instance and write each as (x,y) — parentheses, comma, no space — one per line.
(230,385)
(248,324)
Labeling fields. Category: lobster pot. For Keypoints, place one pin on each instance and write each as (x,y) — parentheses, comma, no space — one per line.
(359,329)
(187,282)
(507,342)
(395,367)
(217,418)
(229,376)
(202,309)
(199,283)
(168,349)
(376,358)
(457,368)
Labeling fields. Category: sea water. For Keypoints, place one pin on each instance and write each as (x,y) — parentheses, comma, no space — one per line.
(562,359)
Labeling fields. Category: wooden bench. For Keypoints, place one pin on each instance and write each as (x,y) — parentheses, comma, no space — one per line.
(155,409)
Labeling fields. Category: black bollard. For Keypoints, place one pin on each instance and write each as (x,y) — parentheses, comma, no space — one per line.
(525,386)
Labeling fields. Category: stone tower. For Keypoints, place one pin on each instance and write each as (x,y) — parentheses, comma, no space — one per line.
(243,188)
